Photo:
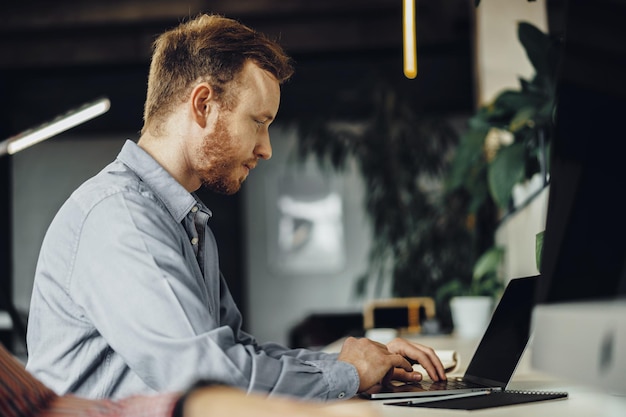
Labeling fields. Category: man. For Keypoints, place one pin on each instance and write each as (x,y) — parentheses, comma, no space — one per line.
(22,395)
(128,295)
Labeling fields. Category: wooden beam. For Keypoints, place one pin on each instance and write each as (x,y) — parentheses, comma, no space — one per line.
(67,33)
(37,14)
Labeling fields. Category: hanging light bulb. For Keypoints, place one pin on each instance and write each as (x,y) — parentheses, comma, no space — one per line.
(410,42)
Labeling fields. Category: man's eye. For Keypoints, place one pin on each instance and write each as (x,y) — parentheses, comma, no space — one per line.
(259,123)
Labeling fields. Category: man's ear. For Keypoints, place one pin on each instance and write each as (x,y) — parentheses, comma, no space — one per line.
(201,100)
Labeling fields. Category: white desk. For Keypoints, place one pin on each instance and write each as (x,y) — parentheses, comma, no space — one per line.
(583,400)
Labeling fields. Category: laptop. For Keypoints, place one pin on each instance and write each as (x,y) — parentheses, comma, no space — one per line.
(496,356)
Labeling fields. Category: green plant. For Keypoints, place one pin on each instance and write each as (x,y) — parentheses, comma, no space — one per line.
(484,280)
(506,143)
(507,140)
(419,238)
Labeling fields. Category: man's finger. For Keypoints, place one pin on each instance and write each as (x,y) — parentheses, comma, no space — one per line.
(399,361)
(424,355)
(400,374)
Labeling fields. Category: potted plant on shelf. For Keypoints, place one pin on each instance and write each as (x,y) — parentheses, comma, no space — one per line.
(471,302)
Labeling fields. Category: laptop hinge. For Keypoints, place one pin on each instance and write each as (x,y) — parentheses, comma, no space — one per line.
(484,381)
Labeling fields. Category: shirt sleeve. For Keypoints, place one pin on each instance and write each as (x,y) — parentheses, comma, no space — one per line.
(135,285)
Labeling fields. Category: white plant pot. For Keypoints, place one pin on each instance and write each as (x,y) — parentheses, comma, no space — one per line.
(471,315)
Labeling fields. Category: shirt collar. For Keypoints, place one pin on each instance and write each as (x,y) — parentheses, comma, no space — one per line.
(175,197)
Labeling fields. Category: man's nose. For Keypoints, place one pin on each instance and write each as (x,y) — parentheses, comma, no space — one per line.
(264,147)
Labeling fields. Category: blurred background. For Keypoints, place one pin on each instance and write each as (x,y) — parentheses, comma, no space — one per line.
(302,238)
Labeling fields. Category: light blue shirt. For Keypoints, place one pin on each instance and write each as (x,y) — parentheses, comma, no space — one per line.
(121,306)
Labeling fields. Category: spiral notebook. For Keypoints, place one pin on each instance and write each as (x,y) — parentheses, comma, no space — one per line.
(488,400)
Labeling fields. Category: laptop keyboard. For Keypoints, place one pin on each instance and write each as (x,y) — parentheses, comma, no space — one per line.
(446,385)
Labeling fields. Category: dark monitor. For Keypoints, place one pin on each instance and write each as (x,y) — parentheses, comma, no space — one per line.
(581,296)
(584,249)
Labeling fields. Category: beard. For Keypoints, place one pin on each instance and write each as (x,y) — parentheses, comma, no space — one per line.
(219,162)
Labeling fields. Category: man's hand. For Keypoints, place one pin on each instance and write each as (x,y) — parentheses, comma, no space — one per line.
(417,353)
(374,363)
(377,364)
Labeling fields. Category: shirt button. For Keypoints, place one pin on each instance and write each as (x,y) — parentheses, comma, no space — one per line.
(341,395)
(194,209)
(194,241)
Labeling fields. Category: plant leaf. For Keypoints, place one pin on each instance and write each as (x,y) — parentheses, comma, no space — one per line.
(506,170)
(468,155)
(525,117)
(537,46)
(488,262)
(538,249)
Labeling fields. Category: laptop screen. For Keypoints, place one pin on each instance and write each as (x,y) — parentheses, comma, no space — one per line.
(506,337)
